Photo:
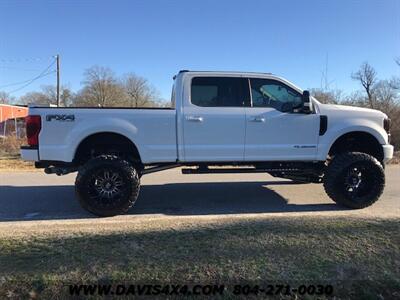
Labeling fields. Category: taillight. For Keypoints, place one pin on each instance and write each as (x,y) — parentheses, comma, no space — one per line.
(33,126)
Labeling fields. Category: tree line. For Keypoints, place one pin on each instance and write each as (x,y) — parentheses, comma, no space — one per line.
(101,88)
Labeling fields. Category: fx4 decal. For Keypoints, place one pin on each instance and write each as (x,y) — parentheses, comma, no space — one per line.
(66,118)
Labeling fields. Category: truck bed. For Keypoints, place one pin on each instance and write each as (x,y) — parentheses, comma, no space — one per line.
(153,130)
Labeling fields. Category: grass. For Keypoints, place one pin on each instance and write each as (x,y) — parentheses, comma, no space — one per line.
(10,159)
(359,257)
(396,158)
(10,145)
(9,163)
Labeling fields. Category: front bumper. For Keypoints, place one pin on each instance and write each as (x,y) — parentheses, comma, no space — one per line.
(387,152)
(29,153)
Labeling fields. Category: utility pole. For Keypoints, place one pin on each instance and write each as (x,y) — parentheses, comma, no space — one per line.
(58,79)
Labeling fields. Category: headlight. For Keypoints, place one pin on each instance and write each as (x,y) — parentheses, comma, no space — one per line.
(386,124)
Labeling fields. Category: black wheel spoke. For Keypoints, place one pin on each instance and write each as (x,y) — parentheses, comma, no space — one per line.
(354,179)
(358,181)
(107,185)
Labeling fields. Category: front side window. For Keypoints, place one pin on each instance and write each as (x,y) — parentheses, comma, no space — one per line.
(275,94)
(219,91)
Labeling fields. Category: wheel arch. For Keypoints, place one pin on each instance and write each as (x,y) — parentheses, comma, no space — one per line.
(357,141)
(106,140)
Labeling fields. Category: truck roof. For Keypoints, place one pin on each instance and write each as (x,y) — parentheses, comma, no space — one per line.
(223,72)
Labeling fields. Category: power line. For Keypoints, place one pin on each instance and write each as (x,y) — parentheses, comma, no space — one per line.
(24,60)
(28,82)
(22,87)
(19,69)
(15,83)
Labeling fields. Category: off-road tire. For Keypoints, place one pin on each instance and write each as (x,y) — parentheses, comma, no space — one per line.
(338,171)
(87,186)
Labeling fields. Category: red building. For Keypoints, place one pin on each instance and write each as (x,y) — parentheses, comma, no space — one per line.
(11,119)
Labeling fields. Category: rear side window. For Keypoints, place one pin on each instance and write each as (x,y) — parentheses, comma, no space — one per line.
(219,92)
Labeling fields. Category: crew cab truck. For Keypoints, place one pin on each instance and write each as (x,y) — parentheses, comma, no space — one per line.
(256,122)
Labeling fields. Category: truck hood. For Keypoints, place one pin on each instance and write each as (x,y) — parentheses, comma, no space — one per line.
(349,111)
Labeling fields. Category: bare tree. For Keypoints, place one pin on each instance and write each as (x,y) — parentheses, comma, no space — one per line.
(395,81)
(388,100)
(327,96)
(4,98)
(66,95)
(138,90)
(355,98)
(101,88)
(48,95)
(366,75)
(36,98)
(386,97)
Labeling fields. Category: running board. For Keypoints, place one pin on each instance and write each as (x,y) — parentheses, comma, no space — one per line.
(288,173)
(159,168)
(221,170)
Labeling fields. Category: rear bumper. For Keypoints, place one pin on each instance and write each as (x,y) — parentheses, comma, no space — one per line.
(29,153)
(387,152)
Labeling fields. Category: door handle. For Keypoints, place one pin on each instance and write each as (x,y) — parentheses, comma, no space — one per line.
(194,118)
(257,119)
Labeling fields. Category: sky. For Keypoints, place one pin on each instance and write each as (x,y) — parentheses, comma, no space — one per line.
(298,40)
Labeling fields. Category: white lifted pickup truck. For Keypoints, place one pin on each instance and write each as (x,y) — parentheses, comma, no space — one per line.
(255,122)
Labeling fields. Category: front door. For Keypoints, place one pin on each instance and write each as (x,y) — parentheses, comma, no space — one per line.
(214,121)
(273,131)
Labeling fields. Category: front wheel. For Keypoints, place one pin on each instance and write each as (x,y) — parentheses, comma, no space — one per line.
(354,179)
(107,186)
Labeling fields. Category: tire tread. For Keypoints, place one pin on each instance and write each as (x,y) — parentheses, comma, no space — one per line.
(127,168)
(336,167)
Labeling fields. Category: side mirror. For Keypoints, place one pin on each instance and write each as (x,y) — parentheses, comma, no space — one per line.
(306,108)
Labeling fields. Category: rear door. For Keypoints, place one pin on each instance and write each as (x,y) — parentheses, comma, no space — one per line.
(214,119)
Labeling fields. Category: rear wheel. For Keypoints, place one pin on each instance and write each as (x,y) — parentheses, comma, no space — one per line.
(354,179)
(107,186)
